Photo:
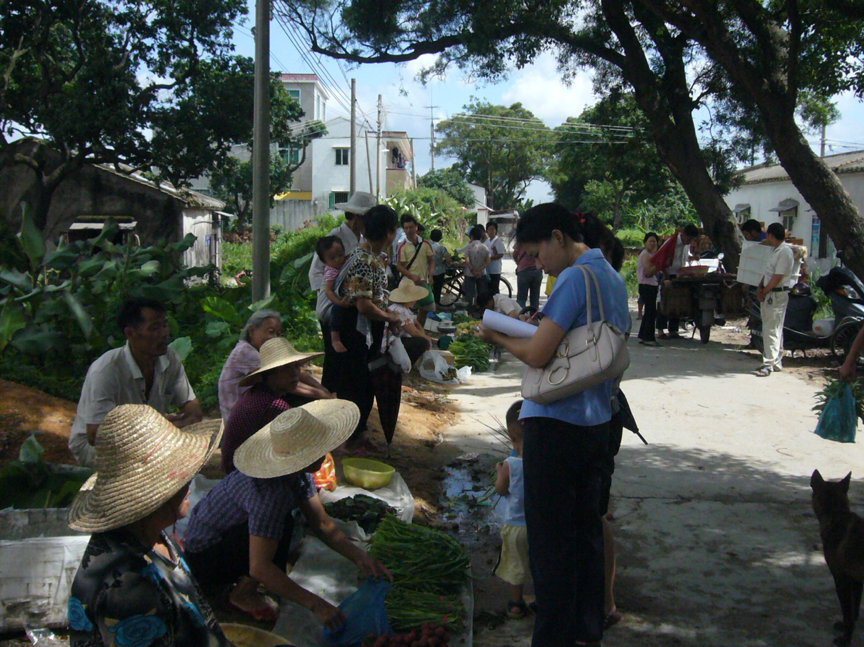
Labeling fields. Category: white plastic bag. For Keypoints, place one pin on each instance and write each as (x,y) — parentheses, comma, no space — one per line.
(399,355)
(463,374)
(434,367)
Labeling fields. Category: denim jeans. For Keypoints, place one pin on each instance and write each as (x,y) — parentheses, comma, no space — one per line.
(563,466)
(529,281)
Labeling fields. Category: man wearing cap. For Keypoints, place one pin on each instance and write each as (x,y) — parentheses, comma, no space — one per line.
(272,383)
(350,233)
(144,371)
(773,293)
(133,587)
(240,532)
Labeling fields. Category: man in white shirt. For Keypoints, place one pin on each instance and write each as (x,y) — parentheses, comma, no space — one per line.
(496,252)
(773,293)
(350,233)
(680,258)
(415,259)
(144,371)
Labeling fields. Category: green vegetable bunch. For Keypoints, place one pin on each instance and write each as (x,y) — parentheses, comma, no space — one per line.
(463,317)
(832,390)
(469,350)
(429,569)
(366,510)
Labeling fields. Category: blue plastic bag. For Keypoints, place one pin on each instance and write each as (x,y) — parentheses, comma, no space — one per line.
(364,614)
(838,420)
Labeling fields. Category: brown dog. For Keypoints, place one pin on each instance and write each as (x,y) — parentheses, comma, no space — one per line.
(842,534)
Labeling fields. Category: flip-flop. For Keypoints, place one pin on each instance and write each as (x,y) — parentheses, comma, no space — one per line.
(612,618)
(516,610)
(261,614)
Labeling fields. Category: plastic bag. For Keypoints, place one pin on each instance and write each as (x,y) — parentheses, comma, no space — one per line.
(364,614)
(325,478)
(838,419)
(463,374)
(434,367)
(399,355)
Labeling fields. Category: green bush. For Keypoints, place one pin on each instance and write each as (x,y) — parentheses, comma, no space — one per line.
(631,237)
(628,271)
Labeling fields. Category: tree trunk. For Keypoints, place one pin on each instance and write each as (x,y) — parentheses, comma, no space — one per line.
(819,186)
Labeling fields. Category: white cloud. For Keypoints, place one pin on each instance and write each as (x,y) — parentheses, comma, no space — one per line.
(541,90)
(413,68)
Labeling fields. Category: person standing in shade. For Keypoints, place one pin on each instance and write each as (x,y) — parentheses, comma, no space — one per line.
(496,253)
(350,233)
(442,260)
(773,295)
(648,288)
(529,279)
(477,258)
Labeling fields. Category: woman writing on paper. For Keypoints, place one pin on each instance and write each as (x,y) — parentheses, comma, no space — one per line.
(566,439)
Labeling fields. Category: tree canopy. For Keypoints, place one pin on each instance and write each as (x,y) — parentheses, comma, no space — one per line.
(500,148)
(94,80)
(452,181)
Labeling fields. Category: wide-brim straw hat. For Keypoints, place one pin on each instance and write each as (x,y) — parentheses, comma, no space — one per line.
(142,460)
(274,353)
(360,202)
(408,291)
(297,438)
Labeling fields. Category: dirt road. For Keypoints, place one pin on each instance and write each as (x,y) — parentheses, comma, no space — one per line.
(717,542)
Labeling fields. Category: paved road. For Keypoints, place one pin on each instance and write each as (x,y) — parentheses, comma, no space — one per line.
(716,537)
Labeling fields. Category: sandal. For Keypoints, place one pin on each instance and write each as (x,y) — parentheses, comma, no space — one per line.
(612,618)
(516,610)
(765,371)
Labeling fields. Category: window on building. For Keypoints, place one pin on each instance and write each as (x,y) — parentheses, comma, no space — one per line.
(294,94)
(318,106)
(337,197)
(742,213)
(291,155)
(342,156)
(787,217)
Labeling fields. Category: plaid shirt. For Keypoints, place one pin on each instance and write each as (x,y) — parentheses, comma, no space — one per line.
(262,503)
(255,409)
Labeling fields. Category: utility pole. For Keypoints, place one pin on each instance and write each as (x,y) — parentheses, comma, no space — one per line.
(353,159)
(378,155)
(822,143)
(261,156)
(432,134)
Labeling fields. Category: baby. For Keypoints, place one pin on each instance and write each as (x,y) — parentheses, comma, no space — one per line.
(512,564)
(332,253)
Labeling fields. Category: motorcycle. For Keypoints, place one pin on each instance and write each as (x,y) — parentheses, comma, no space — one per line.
(846,296)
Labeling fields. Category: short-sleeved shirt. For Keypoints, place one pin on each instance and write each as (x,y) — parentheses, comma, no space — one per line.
(495,246)
(524,260)
(476,253)
(440,255)
(567,308)
(244,359)
(781,261)
(640,269)
(406,317)
(365,276)
(125,594)
(238,498)
(116,379)
(680,256)
(330,273)
(515,514)
(505,305)
(420,266)
(350,241)
(256,408)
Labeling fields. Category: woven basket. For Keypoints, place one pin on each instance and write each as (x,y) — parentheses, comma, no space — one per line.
(676,301)
(733,299)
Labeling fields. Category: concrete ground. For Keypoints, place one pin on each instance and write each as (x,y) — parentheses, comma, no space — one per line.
(716,538)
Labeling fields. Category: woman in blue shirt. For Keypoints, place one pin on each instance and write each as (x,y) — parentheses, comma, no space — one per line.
(566,441)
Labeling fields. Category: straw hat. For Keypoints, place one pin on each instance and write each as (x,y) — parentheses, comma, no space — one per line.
(297,438)
(360,202)
(276,352)
(408,291)
(142,460)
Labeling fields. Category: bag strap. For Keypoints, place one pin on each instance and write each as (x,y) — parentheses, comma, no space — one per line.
(586,271)
(416,252)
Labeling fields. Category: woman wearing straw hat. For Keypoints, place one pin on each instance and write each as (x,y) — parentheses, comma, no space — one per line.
(402,299)
(262,326)
(240,532)
(272,387)
(133,587)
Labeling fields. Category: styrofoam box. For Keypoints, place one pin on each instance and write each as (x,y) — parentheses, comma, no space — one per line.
(749,277)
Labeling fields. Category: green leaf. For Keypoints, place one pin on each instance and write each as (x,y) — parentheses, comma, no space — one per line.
(80,313)
(12,319)
(31,450)
(303,260)
(31,238)
(263,304)
(182,346)
(38,341)
(149,268)
(217,328)
(109,230)
(62,259)
(17,279)
(222,309)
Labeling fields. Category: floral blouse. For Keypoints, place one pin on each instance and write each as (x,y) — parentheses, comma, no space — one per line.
(366,276)
(126,596)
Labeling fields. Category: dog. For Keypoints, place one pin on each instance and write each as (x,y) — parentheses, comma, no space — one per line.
(842,533)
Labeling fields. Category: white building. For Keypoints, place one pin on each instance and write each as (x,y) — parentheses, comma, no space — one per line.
(324,178)
(768,195)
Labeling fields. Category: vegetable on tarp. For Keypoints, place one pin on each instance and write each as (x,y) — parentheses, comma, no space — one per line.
(469,350)
(366,510)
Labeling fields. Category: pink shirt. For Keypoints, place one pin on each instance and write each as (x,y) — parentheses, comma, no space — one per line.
(243,360)
(330,273)
(523,260)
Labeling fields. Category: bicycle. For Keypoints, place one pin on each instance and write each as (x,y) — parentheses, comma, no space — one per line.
(453,288)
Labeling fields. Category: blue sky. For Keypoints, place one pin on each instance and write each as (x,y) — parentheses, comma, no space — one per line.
(406,102)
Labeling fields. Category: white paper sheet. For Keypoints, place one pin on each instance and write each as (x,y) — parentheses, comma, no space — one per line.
(508,325)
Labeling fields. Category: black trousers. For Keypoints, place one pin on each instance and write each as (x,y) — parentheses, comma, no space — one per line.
(649,315)
(494,283)
(563,466)
(330,369)
(437,285)
(224,563)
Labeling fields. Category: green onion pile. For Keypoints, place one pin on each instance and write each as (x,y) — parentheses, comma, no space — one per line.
(469,350)
(429,570)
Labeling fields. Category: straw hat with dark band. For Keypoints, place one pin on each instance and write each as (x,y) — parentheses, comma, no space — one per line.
(276,352)
(297,438)
(408,291)
(142,460)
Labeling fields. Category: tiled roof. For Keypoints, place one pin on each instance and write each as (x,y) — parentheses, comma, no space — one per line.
(840,163)
(299,77)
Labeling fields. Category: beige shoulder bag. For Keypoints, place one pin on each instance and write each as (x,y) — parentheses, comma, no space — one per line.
(586,356)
